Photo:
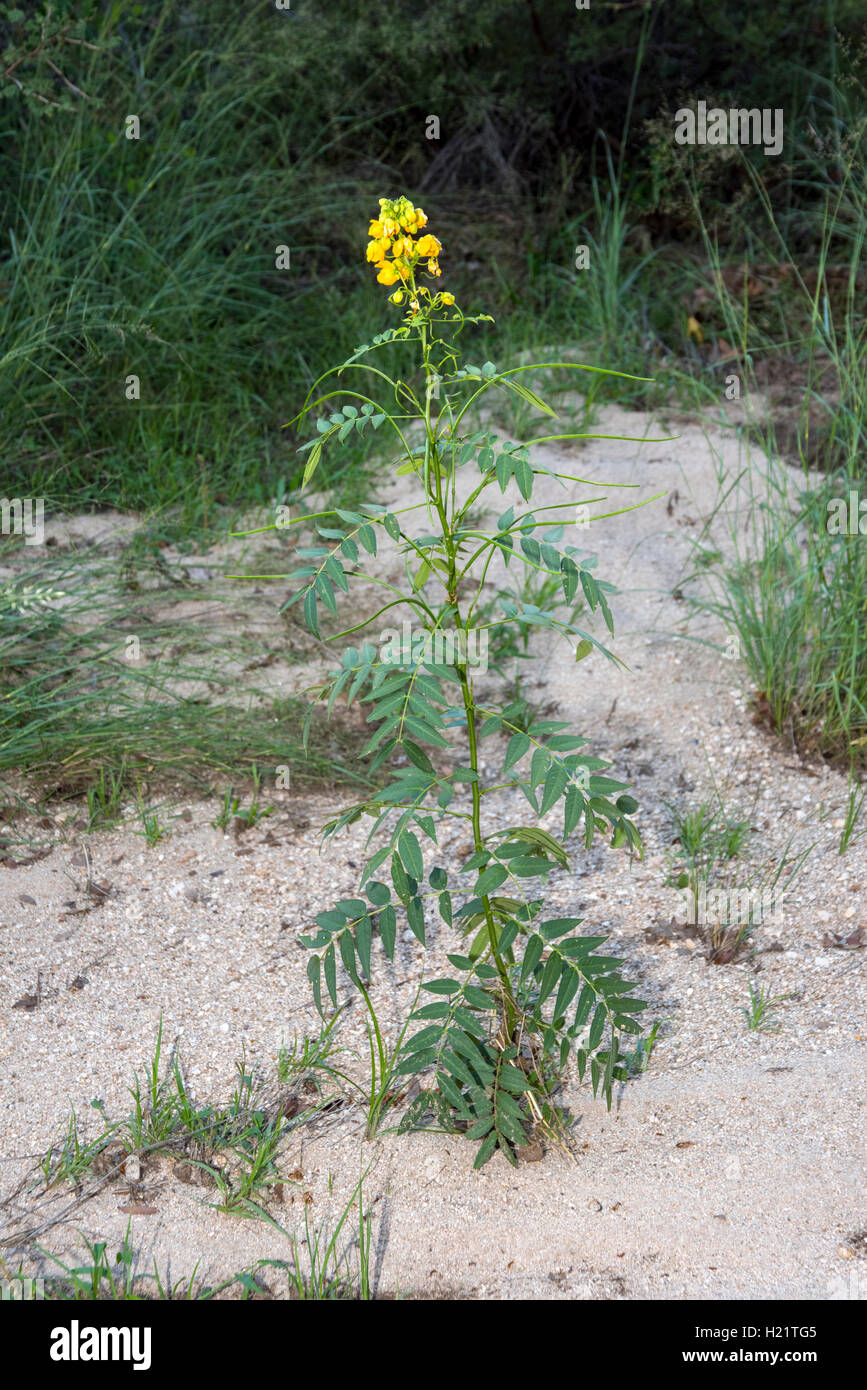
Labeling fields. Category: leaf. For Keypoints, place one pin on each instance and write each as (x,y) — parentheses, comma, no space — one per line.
(529,866)
(330,967)
(531,397)
(480,1129)
(387,926)
(555,784)
(490,880)
(517,747)
(550,975)
(532,955)
(399,879)
(347,955)
(524,478)
(410,852)
(596,1027)
(415,918)
(326,592)
(574,807)
(486,1150)
(569,571)
(479,998)
(417,1062)
(569,982)
(313,461)
(313,973)
(367,537)
(310,617)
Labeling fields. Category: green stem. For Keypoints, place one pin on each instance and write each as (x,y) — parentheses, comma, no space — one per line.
(435,493)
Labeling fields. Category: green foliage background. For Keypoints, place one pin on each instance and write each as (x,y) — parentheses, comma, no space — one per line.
(265,127)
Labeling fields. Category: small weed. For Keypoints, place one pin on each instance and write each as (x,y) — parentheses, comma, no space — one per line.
(154,1116)
(760,1017)
(709,836)
(103,1280)
(71,1159)
(151,829)
(228,809)
(255,811)
(325,1275)
(299,1062)
(638,1061)
(103,800)
(854,806)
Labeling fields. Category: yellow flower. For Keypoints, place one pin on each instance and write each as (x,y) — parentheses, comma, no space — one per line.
(414,306)
(397,297)
(447,298)
(392,231)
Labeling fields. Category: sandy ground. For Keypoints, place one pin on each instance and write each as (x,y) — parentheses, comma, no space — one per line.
(733,1168)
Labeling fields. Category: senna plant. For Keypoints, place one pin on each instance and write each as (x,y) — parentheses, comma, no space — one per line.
(528,991)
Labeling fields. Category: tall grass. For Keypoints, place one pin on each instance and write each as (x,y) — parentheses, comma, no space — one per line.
(794,591)
(78,715)
(156,258)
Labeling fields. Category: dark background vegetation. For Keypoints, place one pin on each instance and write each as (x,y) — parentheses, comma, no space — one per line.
(262,127)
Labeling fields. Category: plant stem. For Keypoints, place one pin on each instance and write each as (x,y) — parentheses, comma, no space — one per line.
(436,496)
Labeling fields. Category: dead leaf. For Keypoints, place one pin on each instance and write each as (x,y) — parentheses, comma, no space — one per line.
(853,942)
(27,1001)
(9,863)
(25,899)
(108,1161)
(685,1144)
(662,932)
(138,1209)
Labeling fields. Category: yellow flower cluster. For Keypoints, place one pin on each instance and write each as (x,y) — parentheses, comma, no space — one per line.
(392,248)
